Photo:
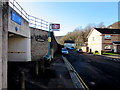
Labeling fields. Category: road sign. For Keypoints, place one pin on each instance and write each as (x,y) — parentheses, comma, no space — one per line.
(55,27)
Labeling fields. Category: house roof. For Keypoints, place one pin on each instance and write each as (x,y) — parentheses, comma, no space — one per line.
(116,42)
(69,41)
(108,31)
(115,25)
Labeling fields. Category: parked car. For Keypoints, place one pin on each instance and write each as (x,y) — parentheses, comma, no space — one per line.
(64,51)
(79,51)
(71,48)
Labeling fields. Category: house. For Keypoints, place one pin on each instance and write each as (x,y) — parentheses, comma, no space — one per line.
(85,47)
(104,39)
(69,44)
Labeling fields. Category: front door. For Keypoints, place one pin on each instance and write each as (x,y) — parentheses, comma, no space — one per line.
(115,48)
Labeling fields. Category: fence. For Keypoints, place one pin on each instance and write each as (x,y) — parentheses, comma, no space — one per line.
(33,21)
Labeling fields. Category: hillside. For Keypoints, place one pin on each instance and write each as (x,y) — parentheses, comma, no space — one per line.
(58,37)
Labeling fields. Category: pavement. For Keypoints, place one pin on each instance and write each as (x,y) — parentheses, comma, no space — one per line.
(115,58)
(56,76)
(112,56)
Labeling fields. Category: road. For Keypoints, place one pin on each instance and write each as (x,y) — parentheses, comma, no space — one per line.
(97,72)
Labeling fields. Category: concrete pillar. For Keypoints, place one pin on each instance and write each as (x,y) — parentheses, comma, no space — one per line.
(4,43)
(0,45)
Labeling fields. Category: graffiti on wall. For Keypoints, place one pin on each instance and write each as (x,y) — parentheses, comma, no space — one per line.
(40,38)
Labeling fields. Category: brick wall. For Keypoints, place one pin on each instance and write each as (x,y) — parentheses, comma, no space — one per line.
(114,37)
(118,48)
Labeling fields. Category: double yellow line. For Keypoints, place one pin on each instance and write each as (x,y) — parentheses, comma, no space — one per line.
(80,82)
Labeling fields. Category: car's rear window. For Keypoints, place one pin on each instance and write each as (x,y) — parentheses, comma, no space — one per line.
(64,50)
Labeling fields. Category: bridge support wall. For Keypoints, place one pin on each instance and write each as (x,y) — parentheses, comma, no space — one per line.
(3,44)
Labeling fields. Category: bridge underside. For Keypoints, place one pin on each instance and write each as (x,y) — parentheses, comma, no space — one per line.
(19,48)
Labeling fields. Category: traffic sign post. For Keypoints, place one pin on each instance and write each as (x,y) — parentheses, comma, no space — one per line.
(52,27)
(49,41)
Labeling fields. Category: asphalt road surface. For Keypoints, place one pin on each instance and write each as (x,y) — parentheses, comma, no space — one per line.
(97,72)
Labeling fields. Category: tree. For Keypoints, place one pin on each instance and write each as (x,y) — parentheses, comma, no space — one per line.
(79,35)
(101,25)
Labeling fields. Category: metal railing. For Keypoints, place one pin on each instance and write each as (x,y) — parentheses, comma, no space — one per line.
(38,23)
(33,21)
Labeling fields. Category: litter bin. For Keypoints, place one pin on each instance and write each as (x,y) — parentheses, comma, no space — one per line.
(47,60)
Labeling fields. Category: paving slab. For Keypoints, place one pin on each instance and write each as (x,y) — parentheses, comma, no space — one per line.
(56,76)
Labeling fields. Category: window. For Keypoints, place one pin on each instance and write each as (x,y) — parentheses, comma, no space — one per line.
(107,36)
(93,38)
(107,47)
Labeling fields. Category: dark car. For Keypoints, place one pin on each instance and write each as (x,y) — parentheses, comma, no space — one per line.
(79,51)
(71,48)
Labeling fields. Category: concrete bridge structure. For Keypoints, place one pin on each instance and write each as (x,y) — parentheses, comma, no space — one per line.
(19,43)
(22,37)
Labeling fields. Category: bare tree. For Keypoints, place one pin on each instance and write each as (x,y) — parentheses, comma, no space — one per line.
(79,35)
(101,25)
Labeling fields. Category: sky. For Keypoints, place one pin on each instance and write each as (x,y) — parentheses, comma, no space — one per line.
(71,15)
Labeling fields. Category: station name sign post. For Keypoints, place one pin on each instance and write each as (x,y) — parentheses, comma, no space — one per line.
(55,27)
(52,27)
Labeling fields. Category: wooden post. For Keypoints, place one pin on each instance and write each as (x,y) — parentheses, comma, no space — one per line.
(22,81)
(37,68)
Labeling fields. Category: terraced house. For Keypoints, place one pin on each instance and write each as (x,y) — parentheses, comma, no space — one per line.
(104,39)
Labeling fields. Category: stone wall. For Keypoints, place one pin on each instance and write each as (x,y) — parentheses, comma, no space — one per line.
(55,46)
(39,43)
